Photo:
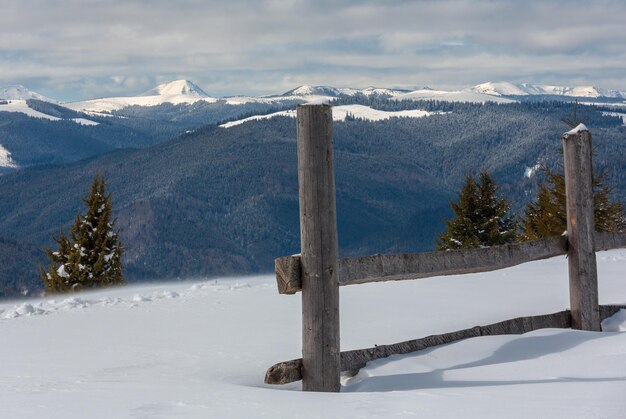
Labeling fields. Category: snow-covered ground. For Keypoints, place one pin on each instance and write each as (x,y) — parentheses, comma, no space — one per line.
(200,349)
(340,113)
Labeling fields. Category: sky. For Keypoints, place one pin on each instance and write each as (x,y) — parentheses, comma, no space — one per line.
(79,49)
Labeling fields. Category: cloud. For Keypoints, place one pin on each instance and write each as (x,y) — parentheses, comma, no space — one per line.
(74,49)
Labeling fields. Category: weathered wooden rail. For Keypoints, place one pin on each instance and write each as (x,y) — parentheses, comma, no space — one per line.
(351,361)
(398,267)
(317,273)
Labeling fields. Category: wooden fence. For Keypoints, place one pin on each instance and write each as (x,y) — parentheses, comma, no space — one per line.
(318,273)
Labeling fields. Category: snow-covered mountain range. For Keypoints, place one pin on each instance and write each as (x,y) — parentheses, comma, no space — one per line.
(307,90)
(465,95)
(526,89)
(186,92)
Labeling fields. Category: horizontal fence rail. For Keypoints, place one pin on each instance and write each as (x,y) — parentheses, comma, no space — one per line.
(608,241)
(352,361)
(396,267)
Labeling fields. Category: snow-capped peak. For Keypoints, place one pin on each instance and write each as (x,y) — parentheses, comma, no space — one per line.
(19,92)
(176,92)
(177,88)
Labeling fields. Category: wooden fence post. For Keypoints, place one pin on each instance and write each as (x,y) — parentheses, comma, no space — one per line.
(321,362)
(583,276)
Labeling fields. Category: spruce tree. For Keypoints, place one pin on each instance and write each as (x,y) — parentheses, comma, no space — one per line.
(482,217)
(92,254)
(547,216)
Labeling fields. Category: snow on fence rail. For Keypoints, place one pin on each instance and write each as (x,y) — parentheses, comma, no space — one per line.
(318,273)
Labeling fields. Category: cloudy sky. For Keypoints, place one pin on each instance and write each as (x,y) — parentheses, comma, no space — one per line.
(77,49)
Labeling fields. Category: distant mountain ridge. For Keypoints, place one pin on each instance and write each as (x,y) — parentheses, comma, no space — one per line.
(308,90)
(527,89)
(186,92)
(43,131)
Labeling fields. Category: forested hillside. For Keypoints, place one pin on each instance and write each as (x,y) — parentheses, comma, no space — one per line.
(222,201)
(19,264)
(39,141)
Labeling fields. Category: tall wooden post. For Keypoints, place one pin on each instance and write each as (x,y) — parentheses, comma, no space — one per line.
(318,234)
(583,276)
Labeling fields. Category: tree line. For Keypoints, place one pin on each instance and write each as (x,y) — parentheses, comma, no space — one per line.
(483,218)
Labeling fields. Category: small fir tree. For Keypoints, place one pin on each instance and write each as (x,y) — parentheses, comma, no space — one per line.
(92,255)
(481,217)
(609,215)
(547,216)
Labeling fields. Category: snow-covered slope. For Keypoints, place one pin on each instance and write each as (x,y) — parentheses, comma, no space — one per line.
(525,89)
(5,158)
(21,106)
(200,349)
(19,92)
(176,92)
(451,96)
(340,113)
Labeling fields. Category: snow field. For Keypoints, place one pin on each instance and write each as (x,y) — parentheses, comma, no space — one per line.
(200,349)
(21,106)
(5,158)
(340,113)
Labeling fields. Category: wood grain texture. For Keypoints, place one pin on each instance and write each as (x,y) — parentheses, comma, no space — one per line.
(607,241)
(319,248)
(288,274)
(375,269)
(583,275)
(395,267)
(352,361)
